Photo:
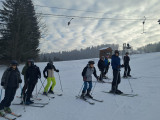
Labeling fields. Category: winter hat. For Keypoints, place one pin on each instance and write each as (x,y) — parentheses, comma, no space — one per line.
(14,62)
(91,62)
(116,51)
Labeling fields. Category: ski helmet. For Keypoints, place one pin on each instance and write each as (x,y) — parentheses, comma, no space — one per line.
(14,62)
(91,62)
(51,62)
(116,51)
(31,61)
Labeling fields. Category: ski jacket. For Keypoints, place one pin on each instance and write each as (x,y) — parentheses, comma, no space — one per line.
(107,63)
(101,65)
(32,74)
(50,70)
(126,60)
(11,78)
(87,73)
(115,62)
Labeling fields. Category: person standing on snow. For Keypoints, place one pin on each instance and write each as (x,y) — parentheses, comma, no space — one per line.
(101,66)
(32,75)
(87,78)
(115,62)
(10,81)
(50,68)
(107,63)
(127,68)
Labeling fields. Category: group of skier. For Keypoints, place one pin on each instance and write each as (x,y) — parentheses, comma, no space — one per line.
(103,65)
(11,78)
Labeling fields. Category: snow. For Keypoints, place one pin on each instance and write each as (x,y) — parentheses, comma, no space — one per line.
(145,106)
(104,48)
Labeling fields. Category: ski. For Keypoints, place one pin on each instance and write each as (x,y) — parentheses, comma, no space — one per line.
(14,114)
(8,118)
(84,99)
(33,98)
(94,99)
(58,94)
(47,96)
(123,94)
(31,105)
(42,103)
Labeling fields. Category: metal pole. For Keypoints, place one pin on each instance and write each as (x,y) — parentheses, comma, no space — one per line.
(60,82)
(40,88)
(130,85)
(80,89)
(94,87)
(1,95)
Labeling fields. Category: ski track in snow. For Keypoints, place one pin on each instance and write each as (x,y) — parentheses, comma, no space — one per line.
(145,106)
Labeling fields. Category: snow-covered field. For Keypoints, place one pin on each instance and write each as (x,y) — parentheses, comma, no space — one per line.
(145,106)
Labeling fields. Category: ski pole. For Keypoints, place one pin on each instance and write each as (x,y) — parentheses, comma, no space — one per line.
(1,95)
(44,88)
(24,107)
(130,85)
(60,82)
(40,88)
(80,89)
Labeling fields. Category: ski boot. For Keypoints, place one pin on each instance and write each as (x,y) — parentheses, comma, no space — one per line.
(119,92)
(50,91)
(7,110)
(45,93)
(2,113)
(83,95)
(88,94)
(113,90)
(129,76)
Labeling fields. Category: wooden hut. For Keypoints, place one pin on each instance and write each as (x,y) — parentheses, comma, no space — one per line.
(105,51)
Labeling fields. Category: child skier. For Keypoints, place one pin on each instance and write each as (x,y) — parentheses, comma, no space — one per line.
(127,68)
(87,78)
(32,75)
(50,68)
(107,63)
(101,66)
(10,81)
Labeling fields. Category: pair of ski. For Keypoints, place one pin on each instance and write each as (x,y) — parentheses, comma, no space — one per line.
(33,105)
(88,101)
(123,94)
(13,114)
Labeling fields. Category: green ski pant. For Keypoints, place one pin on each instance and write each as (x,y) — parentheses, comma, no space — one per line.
(49,79)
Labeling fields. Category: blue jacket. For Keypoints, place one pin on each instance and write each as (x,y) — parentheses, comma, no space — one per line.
(106,62)
(115,62)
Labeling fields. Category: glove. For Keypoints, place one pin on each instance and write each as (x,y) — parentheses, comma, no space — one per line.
(57,70)
(20,81)
(122,65)
(84,78)
(2,83)
(45,76)
(39,76)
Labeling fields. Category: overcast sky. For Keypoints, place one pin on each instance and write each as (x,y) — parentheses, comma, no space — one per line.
(82,33)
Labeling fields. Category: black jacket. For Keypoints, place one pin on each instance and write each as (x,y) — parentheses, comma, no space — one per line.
(11,78)
(101,65)
(126,60)
(49,66)
(33,73)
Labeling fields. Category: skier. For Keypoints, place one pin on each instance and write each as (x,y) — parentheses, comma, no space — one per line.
(101,66)
(87,78)
(24,74)
(107,63)
(50,68)
(32,75)
(127,68)
(115,62)
(10,81)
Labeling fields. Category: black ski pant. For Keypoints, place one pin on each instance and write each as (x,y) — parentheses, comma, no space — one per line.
(106,70)
(116,79)
(24,88)
(101,74)
(29,91)
(8,97)
(127,70)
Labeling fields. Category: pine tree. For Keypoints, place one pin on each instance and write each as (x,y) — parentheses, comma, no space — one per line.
(20,31)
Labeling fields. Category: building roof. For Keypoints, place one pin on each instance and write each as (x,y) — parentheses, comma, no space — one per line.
(104,48)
